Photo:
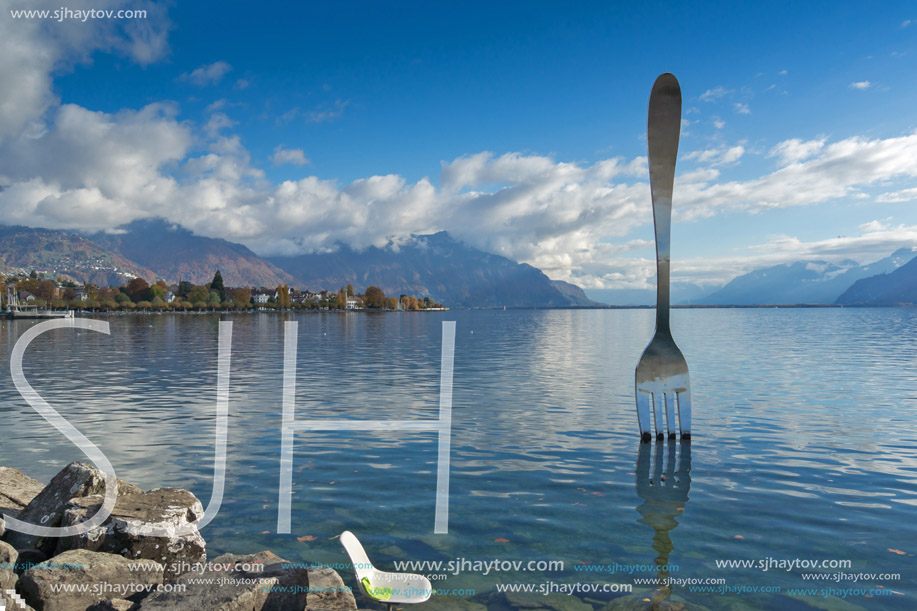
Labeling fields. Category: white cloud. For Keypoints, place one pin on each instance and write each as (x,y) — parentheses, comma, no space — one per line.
(742,109)
(209,74)
(794,150)
(330,114)
(895,197)
(218,122)
(714,94)
(861,85)
(906,23)
(241,84)
(838,171)
(783,73)
(717,156)
(93,170)
(216,105)
(718,123)
(32,49)
(290,156)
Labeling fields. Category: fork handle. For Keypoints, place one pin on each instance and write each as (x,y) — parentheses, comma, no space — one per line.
(663,129)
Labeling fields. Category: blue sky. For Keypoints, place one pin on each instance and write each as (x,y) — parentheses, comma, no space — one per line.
(518,127)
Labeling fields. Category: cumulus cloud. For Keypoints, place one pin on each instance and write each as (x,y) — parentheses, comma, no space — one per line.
(742,109)
(838,170)
(32,49)
(290,156)
(861,85)
(793,150)
(209,74)
(896,197)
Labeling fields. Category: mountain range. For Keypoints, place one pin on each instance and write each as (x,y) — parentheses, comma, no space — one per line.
(893,288)
(435,265)
(802,282)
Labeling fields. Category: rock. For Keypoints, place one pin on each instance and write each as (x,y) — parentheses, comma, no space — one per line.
(328,592)
(98,574)
(212,589)
(8,558)
(11,601)
(112,604)
(16,491)
(269,565)
(29,558)
(257,582)
(131,530)
(47,508)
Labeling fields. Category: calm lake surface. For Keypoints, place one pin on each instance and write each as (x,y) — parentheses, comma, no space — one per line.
(805,443)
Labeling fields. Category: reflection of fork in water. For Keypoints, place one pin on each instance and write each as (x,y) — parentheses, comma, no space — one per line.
(665,494)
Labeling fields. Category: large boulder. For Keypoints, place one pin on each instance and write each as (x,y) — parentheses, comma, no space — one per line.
(267,565)
(143,525)
(8,558)
(76,480)
(328,592)
(216,589)
(16,491)
(257,582)
(76,579)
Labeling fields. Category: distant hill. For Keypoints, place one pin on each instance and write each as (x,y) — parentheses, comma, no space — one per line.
(434,265)
(897,287)
(682,292)
(66,254)
(802,282)
(174,254)
(437,266)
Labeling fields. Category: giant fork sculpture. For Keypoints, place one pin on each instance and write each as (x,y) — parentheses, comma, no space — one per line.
(661,379)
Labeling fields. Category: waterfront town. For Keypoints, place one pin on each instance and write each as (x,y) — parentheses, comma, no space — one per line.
(137,295)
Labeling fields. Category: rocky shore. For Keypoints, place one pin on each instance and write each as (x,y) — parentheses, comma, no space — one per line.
(116,566)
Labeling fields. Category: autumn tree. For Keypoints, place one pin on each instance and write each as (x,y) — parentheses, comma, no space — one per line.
(241,297)
(198,294)
(138,289)
(46,291)
(374,297)
(391,303)
(283,296)
(350,290)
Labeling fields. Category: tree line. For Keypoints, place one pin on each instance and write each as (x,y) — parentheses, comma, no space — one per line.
(138,294)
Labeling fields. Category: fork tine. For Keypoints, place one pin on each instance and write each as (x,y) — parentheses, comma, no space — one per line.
(644,405)
(684,412)
(669,399)
(658,409)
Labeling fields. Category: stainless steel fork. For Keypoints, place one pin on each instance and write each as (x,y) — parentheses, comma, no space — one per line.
(661,379)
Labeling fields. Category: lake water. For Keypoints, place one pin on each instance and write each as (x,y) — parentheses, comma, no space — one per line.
(804,444)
